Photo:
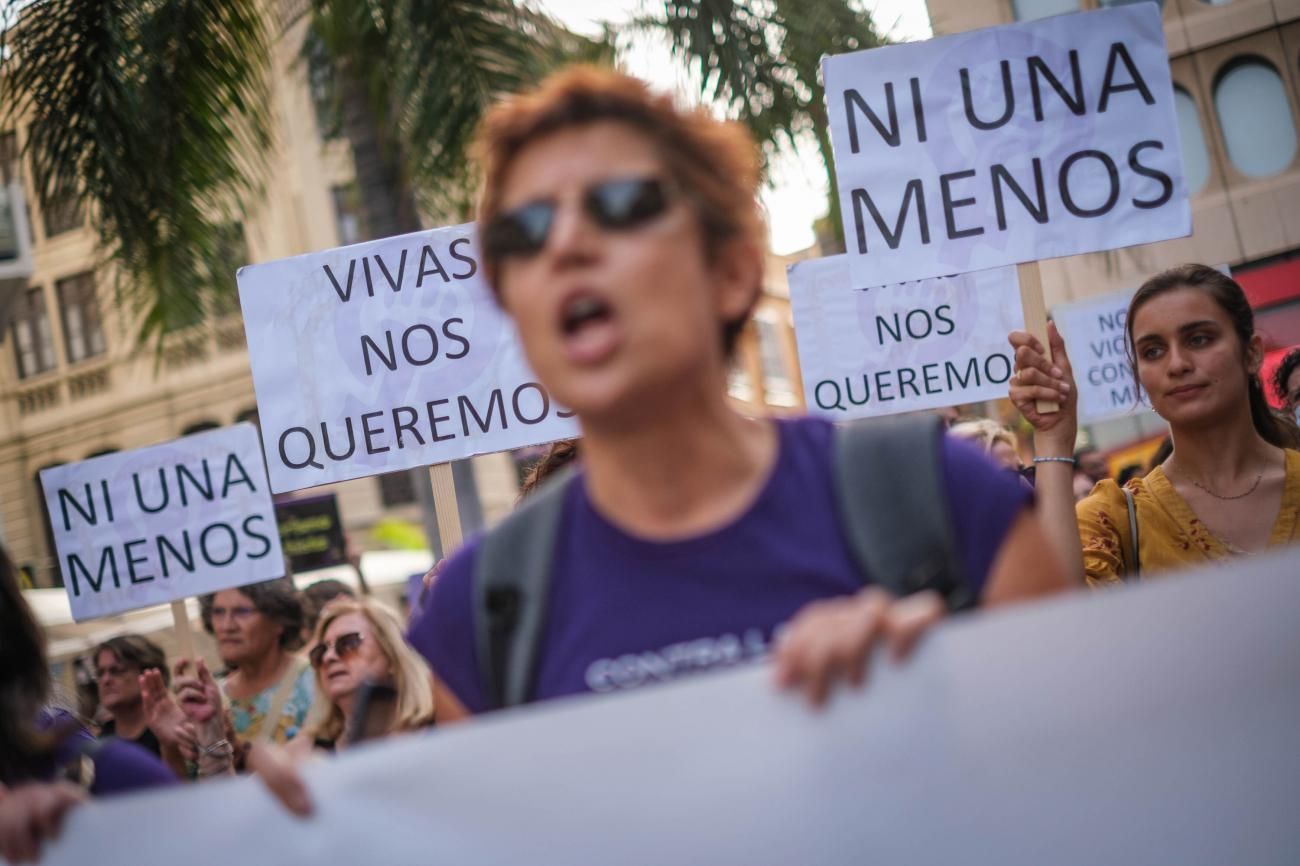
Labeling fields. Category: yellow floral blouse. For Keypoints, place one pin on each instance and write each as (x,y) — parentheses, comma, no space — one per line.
(1169,533)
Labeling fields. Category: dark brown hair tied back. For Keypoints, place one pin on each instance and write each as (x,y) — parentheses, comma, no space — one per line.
(1228,294)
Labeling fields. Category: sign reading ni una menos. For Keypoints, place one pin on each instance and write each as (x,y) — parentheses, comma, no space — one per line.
(1010,144)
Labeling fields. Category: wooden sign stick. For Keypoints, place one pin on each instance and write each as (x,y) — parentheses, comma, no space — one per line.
(1031,299)
(184,637)
(446,506)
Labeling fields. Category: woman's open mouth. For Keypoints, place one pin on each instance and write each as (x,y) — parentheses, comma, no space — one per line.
(590,329)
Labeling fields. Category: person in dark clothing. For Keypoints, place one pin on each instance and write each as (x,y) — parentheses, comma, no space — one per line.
(119,662)
(48,761)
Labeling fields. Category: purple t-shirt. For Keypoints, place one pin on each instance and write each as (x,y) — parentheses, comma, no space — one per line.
(626,612)
(120,765)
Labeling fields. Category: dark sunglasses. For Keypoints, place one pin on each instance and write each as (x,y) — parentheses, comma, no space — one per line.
(614,204)
(344,645)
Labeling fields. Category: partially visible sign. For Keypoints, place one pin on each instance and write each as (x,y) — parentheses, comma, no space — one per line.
(311,532)
(1096,339)
(387,355)
(143,527)
(1010,144)
(905,347)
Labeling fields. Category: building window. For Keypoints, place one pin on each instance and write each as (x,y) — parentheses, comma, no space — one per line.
(33,339)
(1032,10)
(1255,116)
(8,157)
(60,212)
(1196,158)
(8,172)
(397,488)
(83,332)
(232,250)
(777,389)
(52,557)
(738,381)
(347,214)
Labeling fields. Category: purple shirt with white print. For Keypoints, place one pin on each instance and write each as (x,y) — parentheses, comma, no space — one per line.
(626,612)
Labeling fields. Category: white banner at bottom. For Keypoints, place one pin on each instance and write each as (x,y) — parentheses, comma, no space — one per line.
(1155,724)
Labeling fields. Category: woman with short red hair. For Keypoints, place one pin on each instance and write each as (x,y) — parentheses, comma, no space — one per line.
(623,236)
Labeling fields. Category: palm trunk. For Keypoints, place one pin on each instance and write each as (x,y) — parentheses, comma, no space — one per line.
(388,208)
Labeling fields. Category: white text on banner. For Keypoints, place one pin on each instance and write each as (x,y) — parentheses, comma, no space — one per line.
(157,524)
(905,347)
(1011,144)
(384,356)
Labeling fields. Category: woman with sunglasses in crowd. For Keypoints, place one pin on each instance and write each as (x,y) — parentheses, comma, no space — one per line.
(1231,485)
(624,238)
(369,684)
(359,648)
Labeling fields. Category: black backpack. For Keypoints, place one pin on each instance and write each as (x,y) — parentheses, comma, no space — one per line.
(893,510)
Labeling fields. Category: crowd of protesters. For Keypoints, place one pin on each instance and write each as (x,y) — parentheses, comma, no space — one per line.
(623,237)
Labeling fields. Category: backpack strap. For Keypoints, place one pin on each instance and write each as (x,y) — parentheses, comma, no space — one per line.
(1133,564)
(894,507)
(512,579)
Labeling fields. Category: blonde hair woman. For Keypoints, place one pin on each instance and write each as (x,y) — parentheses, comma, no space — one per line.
(997,441)
(359,641)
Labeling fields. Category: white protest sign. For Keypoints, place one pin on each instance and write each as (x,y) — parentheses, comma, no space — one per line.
(905,347)
(1095,334)
(1068,732)
(1005,145)
(384,356)
(143,527)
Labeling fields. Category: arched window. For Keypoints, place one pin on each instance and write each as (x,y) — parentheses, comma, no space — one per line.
(1032,10)
(1255,116)
(1196,157)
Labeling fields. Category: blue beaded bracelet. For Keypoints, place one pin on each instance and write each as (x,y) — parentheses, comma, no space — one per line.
(1069,460)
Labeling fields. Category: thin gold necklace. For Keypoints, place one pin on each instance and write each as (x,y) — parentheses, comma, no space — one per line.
(1220,496)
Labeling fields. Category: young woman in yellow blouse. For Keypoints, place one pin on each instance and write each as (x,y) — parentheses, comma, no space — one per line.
(1231,485)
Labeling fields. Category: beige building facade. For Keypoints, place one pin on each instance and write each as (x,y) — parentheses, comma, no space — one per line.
(1235,66)
(73,383)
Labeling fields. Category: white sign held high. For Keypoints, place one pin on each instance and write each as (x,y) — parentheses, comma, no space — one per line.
(905,347)
(1011,144)
(386,355)
(144,527)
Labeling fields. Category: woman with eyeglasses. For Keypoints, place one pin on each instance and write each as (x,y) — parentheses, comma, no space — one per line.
(268,686)
(624,238)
